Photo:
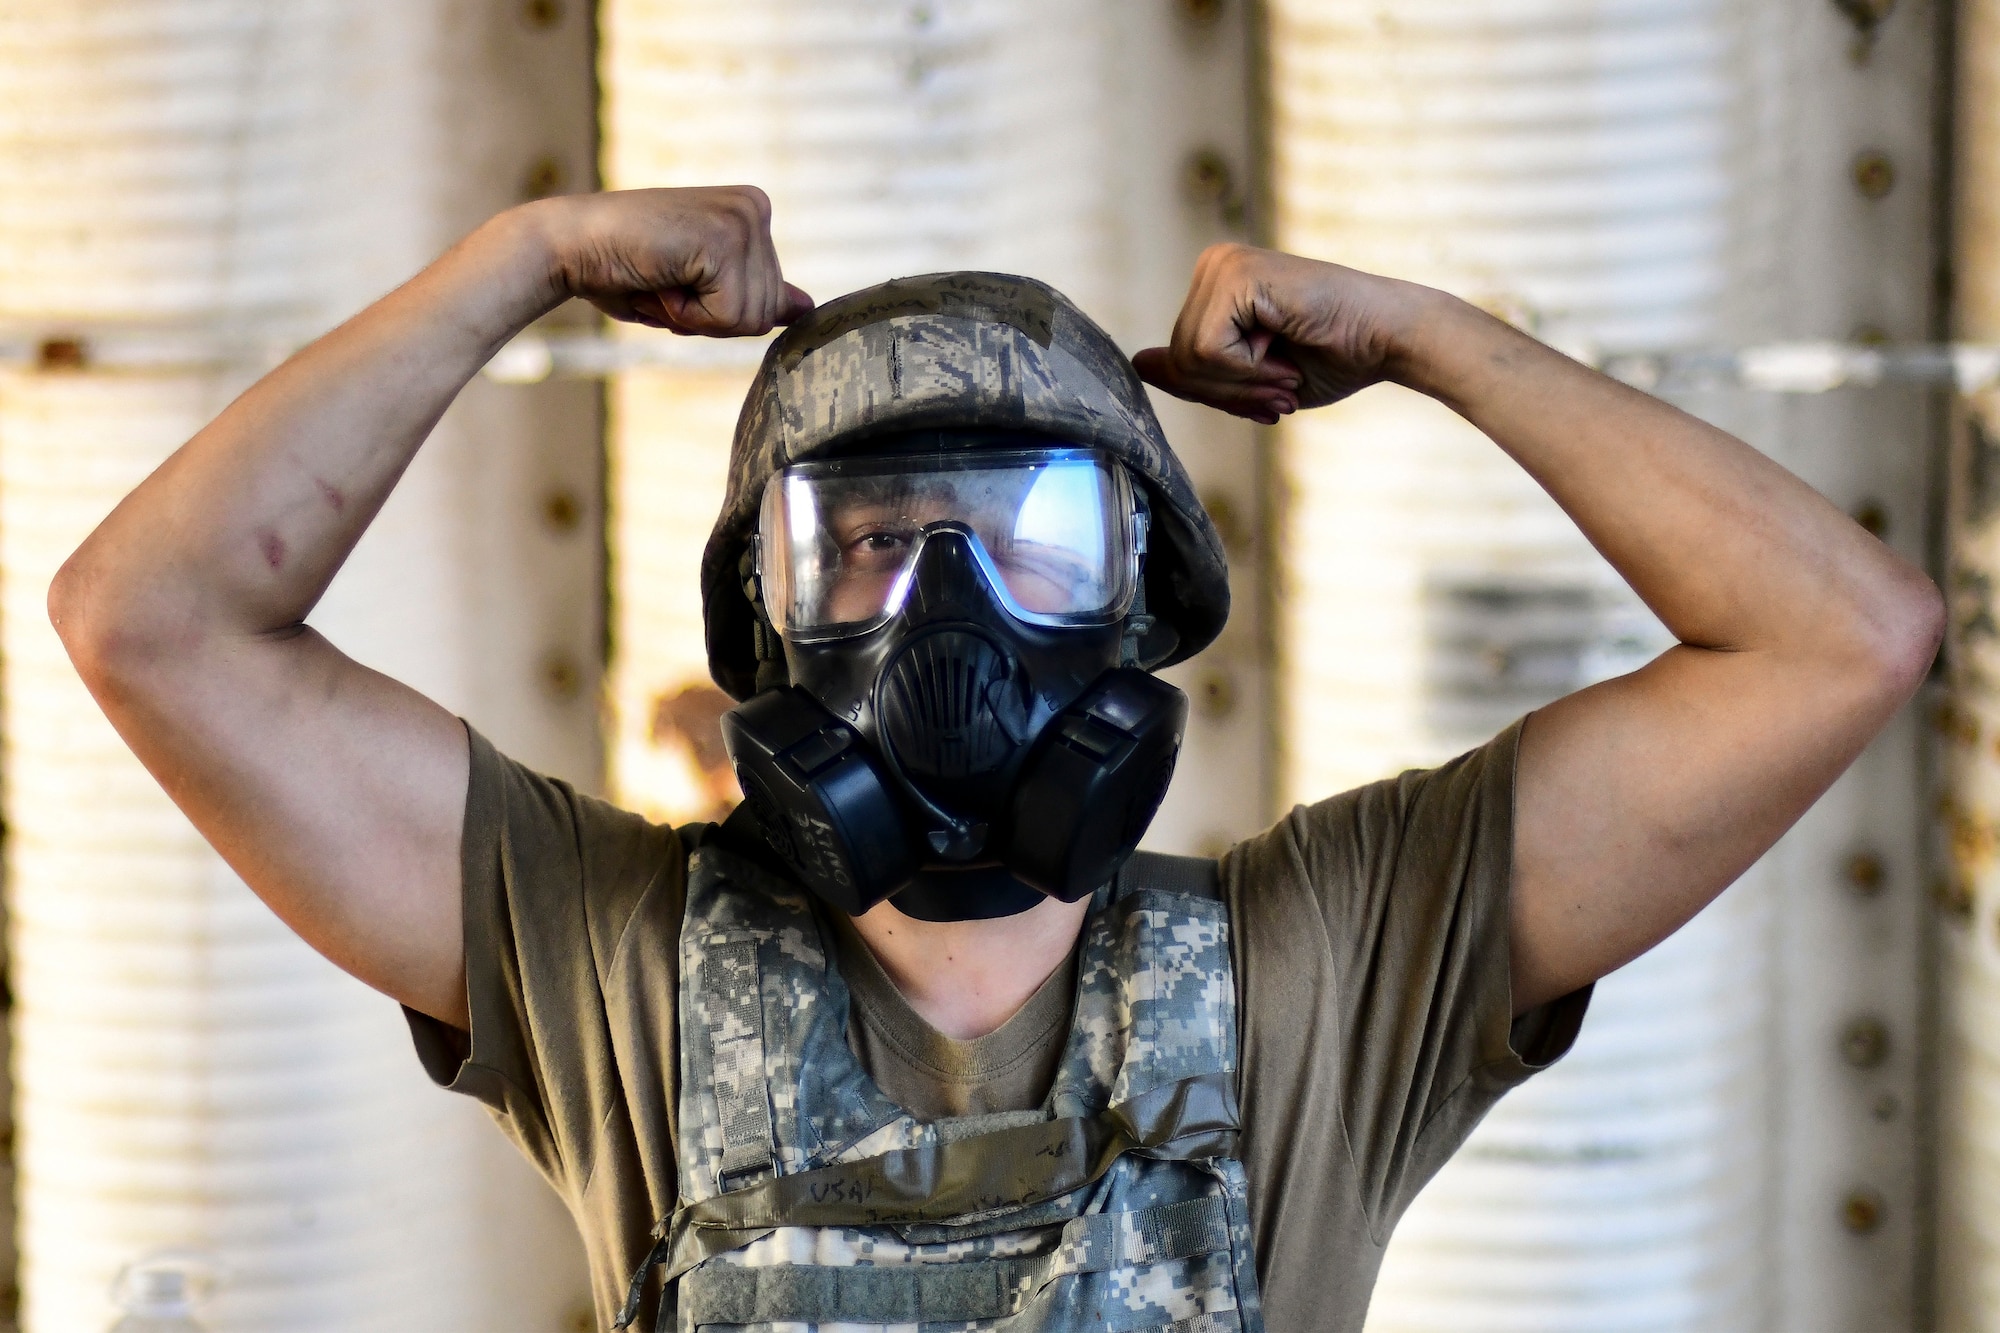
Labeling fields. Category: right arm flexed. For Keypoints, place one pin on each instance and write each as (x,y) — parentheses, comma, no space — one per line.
(337,793)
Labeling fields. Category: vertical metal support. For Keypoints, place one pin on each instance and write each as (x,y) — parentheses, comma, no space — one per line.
(1179,111)
(1850,913)
(481,583)
(1968,1113)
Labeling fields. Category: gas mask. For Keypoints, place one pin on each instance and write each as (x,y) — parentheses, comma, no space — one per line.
(959,631)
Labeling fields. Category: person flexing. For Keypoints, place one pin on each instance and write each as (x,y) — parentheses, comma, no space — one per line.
(914,1036)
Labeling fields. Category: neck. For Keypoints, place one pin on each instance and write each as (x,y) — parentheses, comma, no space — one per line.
(966,978)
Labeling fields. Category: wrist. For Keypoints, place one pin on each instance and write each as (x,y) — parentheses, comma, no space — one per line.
(514,264)
(1444,342)
(1419,334)
(541,236)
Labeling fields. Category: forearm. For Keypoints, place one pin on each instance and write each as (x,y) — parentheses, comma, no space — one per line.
(1729,549)
(240,532)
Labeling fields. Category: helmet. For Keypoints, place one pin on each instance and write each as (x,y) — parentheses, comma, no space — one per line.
(951,355)
(954,544)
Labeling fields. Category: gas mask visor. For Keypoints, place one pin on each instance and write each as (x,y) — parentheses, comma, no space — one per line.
(1056,532)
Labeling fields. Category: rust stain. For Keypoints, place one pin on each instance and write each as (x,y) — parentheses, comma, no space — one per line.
(1956,724)
(1974,838)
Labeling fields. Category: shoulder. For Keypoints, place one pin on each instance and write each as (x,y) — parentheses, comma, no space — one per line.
(555,861)
(1423,822)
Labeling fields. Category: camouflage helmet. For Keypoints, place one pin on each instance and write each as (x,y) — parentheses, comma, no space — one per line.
(951,352)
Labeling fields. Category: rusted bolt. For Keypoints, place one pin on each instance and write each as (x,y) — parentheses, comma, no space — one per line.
(1203,11)
(1864,1042)
(1953,898)
(1866,873)
(544,178)
(1206,177)
(1865,15)
(1872,517)
(62,354)
(561,677)
(561,510)
(1874,175)
(1861,1211)
(1956,725)
(1215,694)
(543,13)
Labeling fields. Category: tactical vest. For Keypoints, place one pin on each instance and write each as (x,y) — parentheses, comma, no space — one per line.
(809,1200)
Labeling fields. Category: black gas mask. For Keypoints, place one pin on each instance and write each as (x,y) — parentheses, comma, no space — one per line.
(965,728)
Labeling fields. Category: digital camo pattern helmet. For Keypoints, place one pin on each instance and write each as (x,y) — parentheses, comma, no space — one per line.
(951,352)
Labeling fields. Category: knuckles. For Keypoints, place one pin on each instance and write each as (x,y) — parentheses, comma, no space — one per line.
(1229,264)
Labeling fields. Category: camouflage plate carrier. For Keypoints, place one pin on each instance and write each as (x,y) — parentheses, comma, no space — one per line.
(810,1201)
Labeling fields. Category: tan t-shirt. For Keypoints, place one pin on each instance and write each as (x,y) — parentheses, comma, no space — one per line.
(1370,945)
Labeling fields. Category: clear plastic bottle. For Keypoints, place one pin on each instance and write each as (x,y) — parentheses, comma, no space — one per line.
(161,1292)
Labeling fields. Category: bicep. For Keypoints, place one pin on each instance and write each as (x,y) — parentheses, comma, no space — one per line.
(337,794)
(1638,800)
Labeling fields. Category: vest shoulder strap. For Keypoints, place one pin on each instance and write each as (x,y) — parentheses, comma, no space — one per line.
(1188,876)
(741,834)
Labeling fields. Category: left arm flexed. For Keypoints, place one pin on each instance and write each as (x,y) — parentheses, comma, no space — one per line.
(337,793)
(1641,798)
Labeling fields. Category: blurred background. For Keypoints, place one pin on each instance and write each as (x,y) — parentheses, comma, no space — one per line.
(1781,214)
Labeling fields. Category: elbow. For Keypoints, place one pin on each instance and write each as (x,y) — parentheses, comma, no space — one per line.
(1904,629)
(104,645)
(70,612)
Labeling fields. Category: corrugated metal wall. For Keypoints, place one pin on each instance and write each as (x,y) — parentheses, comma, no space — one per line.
(1574,166)
(1732,1144)
(187,182)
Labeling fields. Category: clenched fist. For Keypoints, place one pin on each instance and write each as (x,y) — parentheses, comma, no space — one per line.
(696,261)
(1263,334)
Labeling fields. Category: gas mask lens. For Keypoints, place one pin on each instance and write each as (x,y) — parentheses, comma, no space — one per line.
(1054,530)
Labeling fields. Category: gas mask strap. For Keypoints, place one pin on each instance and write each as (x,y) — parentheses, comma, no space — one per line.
(1138,621)
(1138,624)
(770,649)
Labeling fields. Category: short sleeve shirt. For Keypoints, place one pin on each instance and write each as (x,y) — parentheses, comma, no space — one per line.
(1369,937)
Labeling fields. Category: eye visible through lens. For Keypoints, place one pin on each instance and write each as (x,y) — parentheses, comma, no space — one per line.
(1049,529)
